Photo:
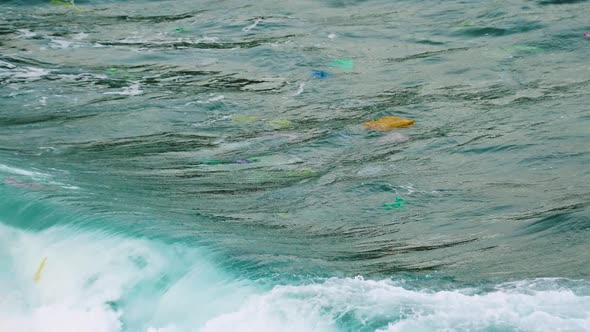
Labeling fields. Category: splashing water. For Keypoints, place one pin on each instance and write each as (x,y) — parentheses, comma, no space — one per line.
(175,166)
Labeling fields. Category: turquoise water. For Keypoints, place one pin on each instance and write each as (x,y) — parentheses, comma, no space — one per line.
(203,166)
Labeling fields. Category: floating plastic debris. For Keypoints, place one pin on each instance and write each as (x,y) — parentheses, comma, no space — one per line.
(586,34)
(331,36)
(65,3)
(344,64)
(387,123)
(280,123)
(253,25)
(179,29)
(299,90)
(244,118)
(465,24)
(304,172)
(39,270)
(214,162)
(243,161)
(398,204)
(117,72)
(320,74)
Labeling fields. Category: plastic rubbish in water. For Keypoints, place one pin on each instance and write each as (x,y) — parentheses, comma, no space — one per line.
(65,3)
(253,25)
(240,118)
(398,204)
(302,173)
(344,64)
(280,123)
(121,73)
(213,162)
(465,24)
(320,74)
(179,29)
(586,34)
(243,161)
(223,162)
(39,270)
(387,123)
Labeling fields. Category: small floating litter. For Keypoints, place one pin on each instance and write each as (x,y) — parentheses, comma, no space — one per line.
(388,123)
(344,64)
(398,204)
(39,270)
(240,118)
(280,123)
(320,74)
(302,173)
(65,3)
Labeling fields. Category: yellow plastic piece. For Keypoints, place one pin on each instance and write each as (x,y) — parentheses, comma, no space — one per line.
(280,123)
(244,118)
(387,123)
(65,3)
(40,269)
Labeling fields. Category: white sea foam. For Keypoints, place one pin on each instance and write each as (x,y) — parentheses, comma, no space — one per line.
(7,65)
(80,36)
(132,90)
(98,282)
(14,170)
(58,43)
(26,33)
(30,73)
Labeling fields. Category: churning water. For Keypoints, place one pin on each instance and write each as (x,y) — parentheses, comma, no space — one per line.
(184,165)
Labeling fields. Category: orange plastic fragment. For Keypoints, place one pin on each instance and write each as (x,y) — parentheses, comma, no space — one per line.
(387,123)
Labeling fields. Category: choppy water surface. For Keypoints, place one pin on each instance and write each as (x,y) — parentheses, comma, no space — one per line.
(185,166)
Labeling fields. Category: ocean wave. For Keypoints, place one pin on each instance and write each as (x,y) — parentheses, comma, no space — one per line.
(100,282)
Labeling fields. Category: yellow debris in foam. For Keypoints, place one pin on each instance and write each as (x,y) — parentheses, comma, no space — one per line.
(40,269)
(65,3)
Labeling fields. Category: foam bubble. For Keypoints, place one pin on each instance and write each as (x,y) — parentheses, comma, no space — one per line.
(132,90)
(385,306)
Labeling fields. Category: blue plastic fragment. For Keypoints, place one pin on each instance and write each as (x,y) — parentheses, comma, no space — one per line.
(320,74)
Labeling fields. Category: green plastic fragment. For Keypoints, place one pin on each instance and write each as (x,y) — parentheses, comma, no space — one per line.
(213,162)
(344,64)
(465,24)
(398,204)
(522,49)
(179,29)
(304,172)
